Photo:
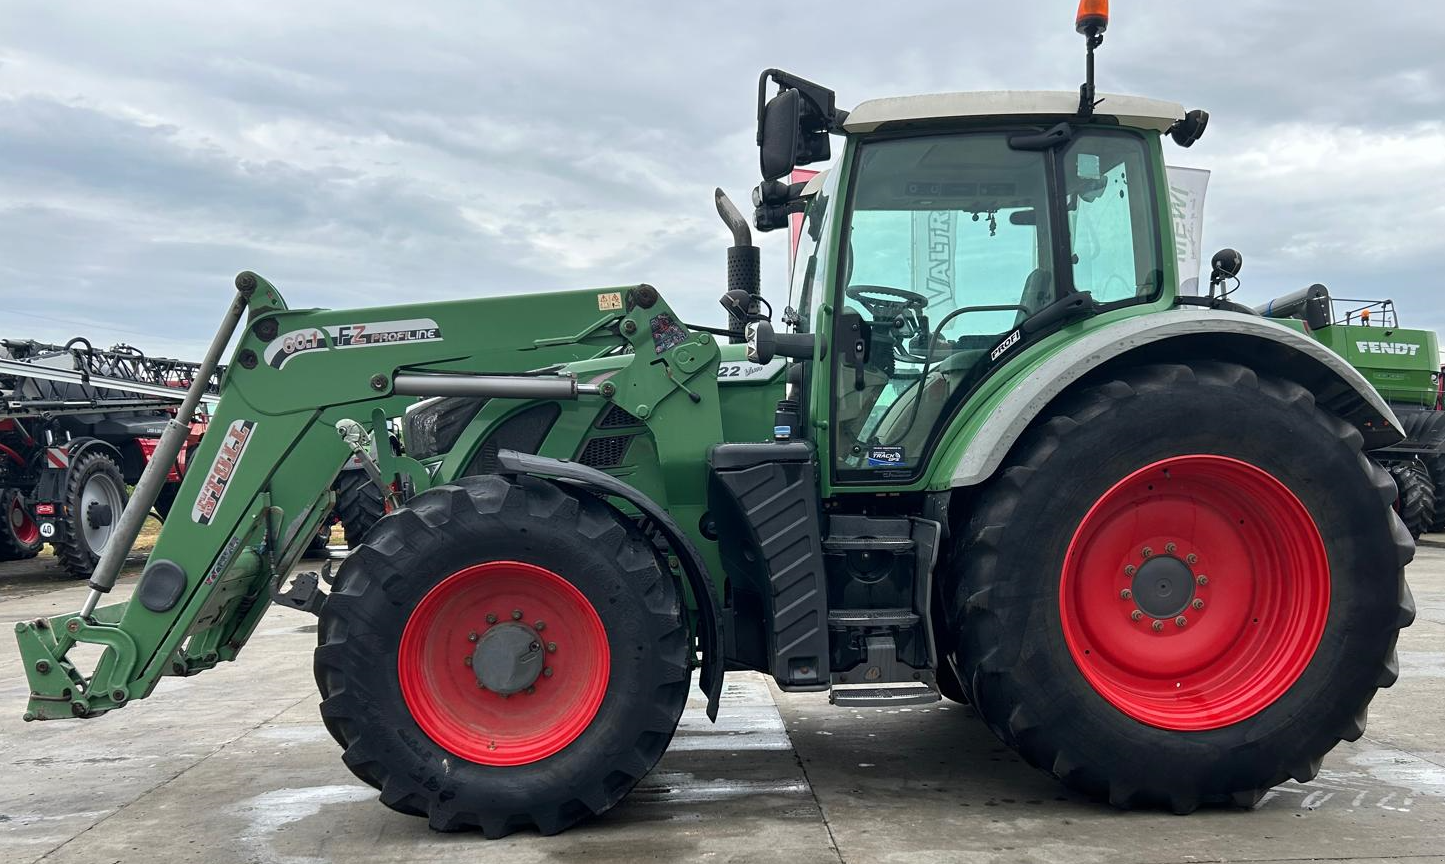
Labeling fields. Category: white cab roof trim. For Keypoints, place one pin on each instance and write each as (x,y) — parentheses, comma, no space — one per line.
(1130,110)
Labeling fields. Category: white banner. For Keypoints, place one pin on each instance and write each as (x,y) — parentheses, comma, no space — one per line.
(1186,212)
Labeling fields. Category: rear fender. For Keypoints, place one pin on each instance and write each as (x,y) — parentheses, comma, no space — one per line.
(1180,336)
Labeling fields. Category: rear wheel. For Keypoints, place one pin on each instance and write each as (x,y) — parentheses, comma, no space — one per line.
(503,654)
(1206,613)
(94,498)
(19,533)
(1415,501)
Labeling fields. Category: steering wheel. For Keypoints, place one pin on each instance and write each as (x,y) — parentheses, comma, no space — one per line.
(886,303)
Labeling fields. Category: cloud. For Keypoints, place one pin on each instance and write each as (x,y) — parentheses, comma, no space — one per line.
(365,153)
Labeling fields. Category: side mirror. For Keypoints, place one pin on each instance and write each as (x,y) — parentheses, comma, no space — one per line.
(778,134)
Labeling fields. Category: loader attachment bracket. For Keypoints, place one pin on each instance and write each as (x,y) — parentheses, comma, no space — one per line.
(709,621)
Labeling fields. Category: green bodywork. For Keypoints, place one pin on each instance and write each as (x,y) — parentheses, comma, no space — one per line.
(1404,365)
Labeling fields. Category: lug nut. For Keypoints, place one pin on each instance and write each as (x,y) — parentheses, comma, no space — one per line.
(1192,558)
(1197,604)
(1130,569)
(547,672)
(491,618)
(467,660)
(1125,594)
(1136,615)
(551,647)
(1157,625)
(1170,547)
(516,614)
(1202,579)
(539,626)
(472,636)
(531,689)
(1146,552)
(1180,621)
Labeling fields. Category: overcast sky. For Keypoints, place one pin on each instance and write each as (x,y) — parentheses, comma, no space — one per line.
(359,153)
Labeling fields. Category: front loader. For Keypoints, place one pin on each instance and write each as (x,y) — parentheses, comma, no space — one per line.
(987,452)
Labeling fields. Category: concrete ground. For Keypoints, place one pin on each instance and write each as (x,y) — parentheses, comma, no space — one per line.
(235,766)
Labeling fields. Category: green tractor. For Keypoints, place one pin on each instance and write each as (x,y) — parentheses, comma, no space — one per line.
(1404,366)
(987,453)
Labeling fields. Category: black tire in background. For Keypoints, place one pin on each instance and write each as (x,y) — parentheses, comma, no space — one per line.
(1415,501)
(359,504)
(94,498)
(366,644)
(1436,466)
(1007,599)
(19,535)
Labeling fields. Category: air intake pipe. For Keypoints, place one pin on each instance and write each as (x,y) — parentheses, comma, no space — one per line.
(744,271)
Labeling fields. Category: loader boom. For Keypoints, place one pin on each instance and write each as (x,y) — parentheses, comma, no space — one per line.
(265,468)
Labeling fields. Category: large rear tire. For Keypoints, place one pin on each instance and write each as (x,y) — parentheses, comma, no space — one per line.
(552,600)
(19,534)
(1415,501)
(1209,608)
(94,498)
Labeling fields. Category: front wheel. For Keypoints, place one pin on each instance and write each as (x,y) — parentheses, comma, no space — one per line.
(499,654)
(1184,588)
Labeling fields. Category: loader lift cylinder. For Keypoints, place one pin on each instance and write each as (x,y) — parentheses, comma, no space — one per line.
(148,488)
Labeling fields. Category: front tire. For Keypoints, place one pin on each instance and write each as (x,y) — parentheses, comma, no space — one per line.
(429,681)
(1280,659)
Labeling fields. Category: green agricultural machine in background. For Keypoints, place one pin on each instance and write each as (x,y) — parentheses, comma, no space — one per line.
(987,452)
(1404,366)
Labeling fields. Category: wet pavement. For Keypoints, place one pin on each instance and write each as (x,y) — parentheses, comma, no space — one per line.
(235,766)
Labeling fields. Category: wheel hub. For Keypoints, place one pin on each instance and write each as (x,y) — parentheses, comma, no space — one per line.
(1163,586)
(98,515)
(508,658)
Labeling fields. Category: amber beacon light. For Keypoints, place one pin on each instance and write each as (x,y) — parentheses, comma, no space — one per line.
(1093,17)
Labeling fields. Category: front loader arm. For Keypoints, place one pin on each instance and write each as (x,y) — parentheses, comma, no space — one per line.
(260,480)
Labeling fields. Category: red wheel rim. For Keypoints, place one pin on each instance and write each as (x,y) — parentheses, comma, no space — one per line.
(435,663)
(1258,592)
(25,529)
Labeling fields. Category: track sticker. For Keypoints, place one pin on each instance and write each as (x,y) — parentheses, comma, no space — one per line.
(218,479)
(886,457)
(367,335)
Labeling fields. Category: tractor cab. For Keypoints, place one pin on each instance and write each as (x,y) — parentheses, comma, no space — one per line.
(954,232)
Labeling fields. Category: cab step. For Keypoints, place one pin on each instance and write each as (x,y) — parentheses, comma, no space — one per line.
(882,695)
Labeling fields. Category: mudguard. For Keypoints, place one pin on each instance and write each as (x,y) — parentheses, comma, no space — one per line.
(709,619)
(1181,335)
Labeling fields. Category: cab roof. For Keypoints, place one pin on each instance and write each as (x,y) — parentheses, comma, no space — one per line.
(1136,111)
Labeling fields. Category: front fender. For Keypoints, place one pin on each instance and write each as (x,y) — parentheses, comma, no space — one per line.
(1178,335)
